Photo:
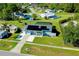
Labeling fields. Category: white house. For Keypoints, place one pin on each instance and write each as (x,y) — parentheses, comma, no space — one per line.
(13,28)
(47,13)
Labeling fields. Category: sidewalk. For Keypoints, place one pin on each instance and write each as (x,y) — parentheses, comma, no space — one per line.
(66,48)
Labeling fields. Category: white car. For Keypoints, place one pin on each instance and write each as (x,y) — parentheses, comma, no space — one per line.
(21,36)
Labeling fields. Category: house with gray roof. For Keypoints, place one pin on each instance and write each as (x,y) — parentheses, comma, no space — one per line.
(39,29)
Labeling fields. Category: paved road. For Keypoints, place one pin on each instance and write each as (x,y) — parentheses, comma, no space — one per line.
(66,48)
(7,53)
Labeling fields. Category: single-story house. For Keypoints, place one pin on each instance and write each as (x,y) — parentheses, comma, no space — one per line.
(36,30)
(24,15)
(39,29)
(49,14)
(47,24)
(3,34)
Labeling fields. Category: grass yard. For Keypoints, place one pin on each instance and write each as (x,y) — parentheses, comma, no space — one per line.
(13,23)
(20,25)
(44,40)
(13,37)
(57,41)
(54,40)
(46,51)
(4,45)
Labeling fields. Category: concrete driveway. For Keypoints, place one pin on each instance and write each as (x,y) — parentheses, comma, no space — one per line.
(20,44)
(17,48)
(31,38)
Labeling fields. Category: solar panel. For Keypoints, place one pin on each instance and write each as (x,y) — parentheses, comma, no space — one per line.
(35,27)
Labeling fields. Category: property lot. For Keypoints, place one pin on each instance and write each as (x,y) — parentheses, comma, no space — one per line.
(54,40)
(50,41)
(6,45)
(36,29)
(47,51)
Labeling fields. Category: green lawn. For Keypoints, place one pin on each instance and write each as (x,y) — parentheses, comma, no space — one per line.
(48,40)
(54,40)
(44,40)
(13,23)
(13,37)
(4,45)
(46,51)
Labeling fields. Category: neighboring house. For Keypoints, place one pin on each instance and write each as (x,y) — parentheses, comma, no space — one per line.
(39,29)
(49,14)
(13,28)
(3,34)
(23,15)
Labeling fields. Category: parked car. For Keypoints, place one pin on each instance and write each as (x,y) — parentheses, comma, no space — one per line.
(3,34)
(21,36)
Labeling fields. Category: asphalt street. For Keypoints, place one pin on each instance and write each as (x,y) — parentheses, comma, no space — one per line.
(7,53)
